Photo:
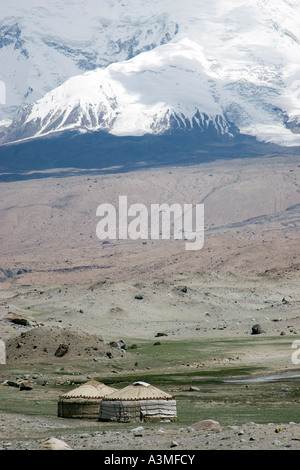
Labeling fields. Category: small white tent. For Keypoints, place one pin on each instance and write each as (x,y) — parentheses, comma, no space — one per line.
(138,402)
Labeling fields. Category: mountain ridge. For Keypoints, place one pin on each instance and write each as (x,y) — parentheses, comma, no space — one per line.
(226,65)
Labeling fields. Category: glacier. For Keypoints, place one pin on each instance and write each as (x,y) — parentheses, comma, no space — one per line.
(150,68)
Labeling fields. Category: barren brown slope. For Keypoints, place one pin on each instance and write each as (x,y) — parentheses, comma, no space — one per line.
(48,226)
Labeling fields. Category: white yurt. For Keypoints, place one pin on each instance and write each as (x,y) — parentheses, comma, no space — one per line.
(84,401)
(139,401)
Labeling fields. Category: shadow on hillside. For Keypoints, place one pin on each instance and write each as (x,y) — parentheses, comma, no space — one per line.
(70,153)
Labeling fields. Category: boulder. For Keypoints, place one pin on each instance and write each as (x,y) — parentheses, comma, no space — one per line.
(54,444)
(257,329)
(138,432)
(17,319)
(11,383)
(118,345)
(207,425)
(61,350)
(25,385)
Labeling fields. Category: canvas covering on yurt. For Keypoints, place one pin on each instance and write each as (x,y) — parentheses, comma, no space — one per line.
(84,401)
(138,402)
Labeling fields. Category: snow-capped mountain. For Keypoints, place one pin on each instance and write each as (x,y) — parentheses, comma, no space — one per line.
(42,44)
(230,65)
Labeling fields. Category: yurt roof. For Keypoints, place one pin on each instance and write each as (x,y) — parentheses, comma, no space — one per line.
(91,389)
(139,391)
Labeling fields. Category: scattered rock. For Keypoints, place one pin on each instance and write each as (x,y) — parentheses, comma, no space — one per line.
(17,319)
(7,273)
(22,271)
(54,444)
(11,383)
(118,344)
(25,385)
(138,429)
(160,431)
(257,329)
(276,442)
(160,334)
(116,310)
(138,432)
(190,429)
(61,350)
(207,425)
